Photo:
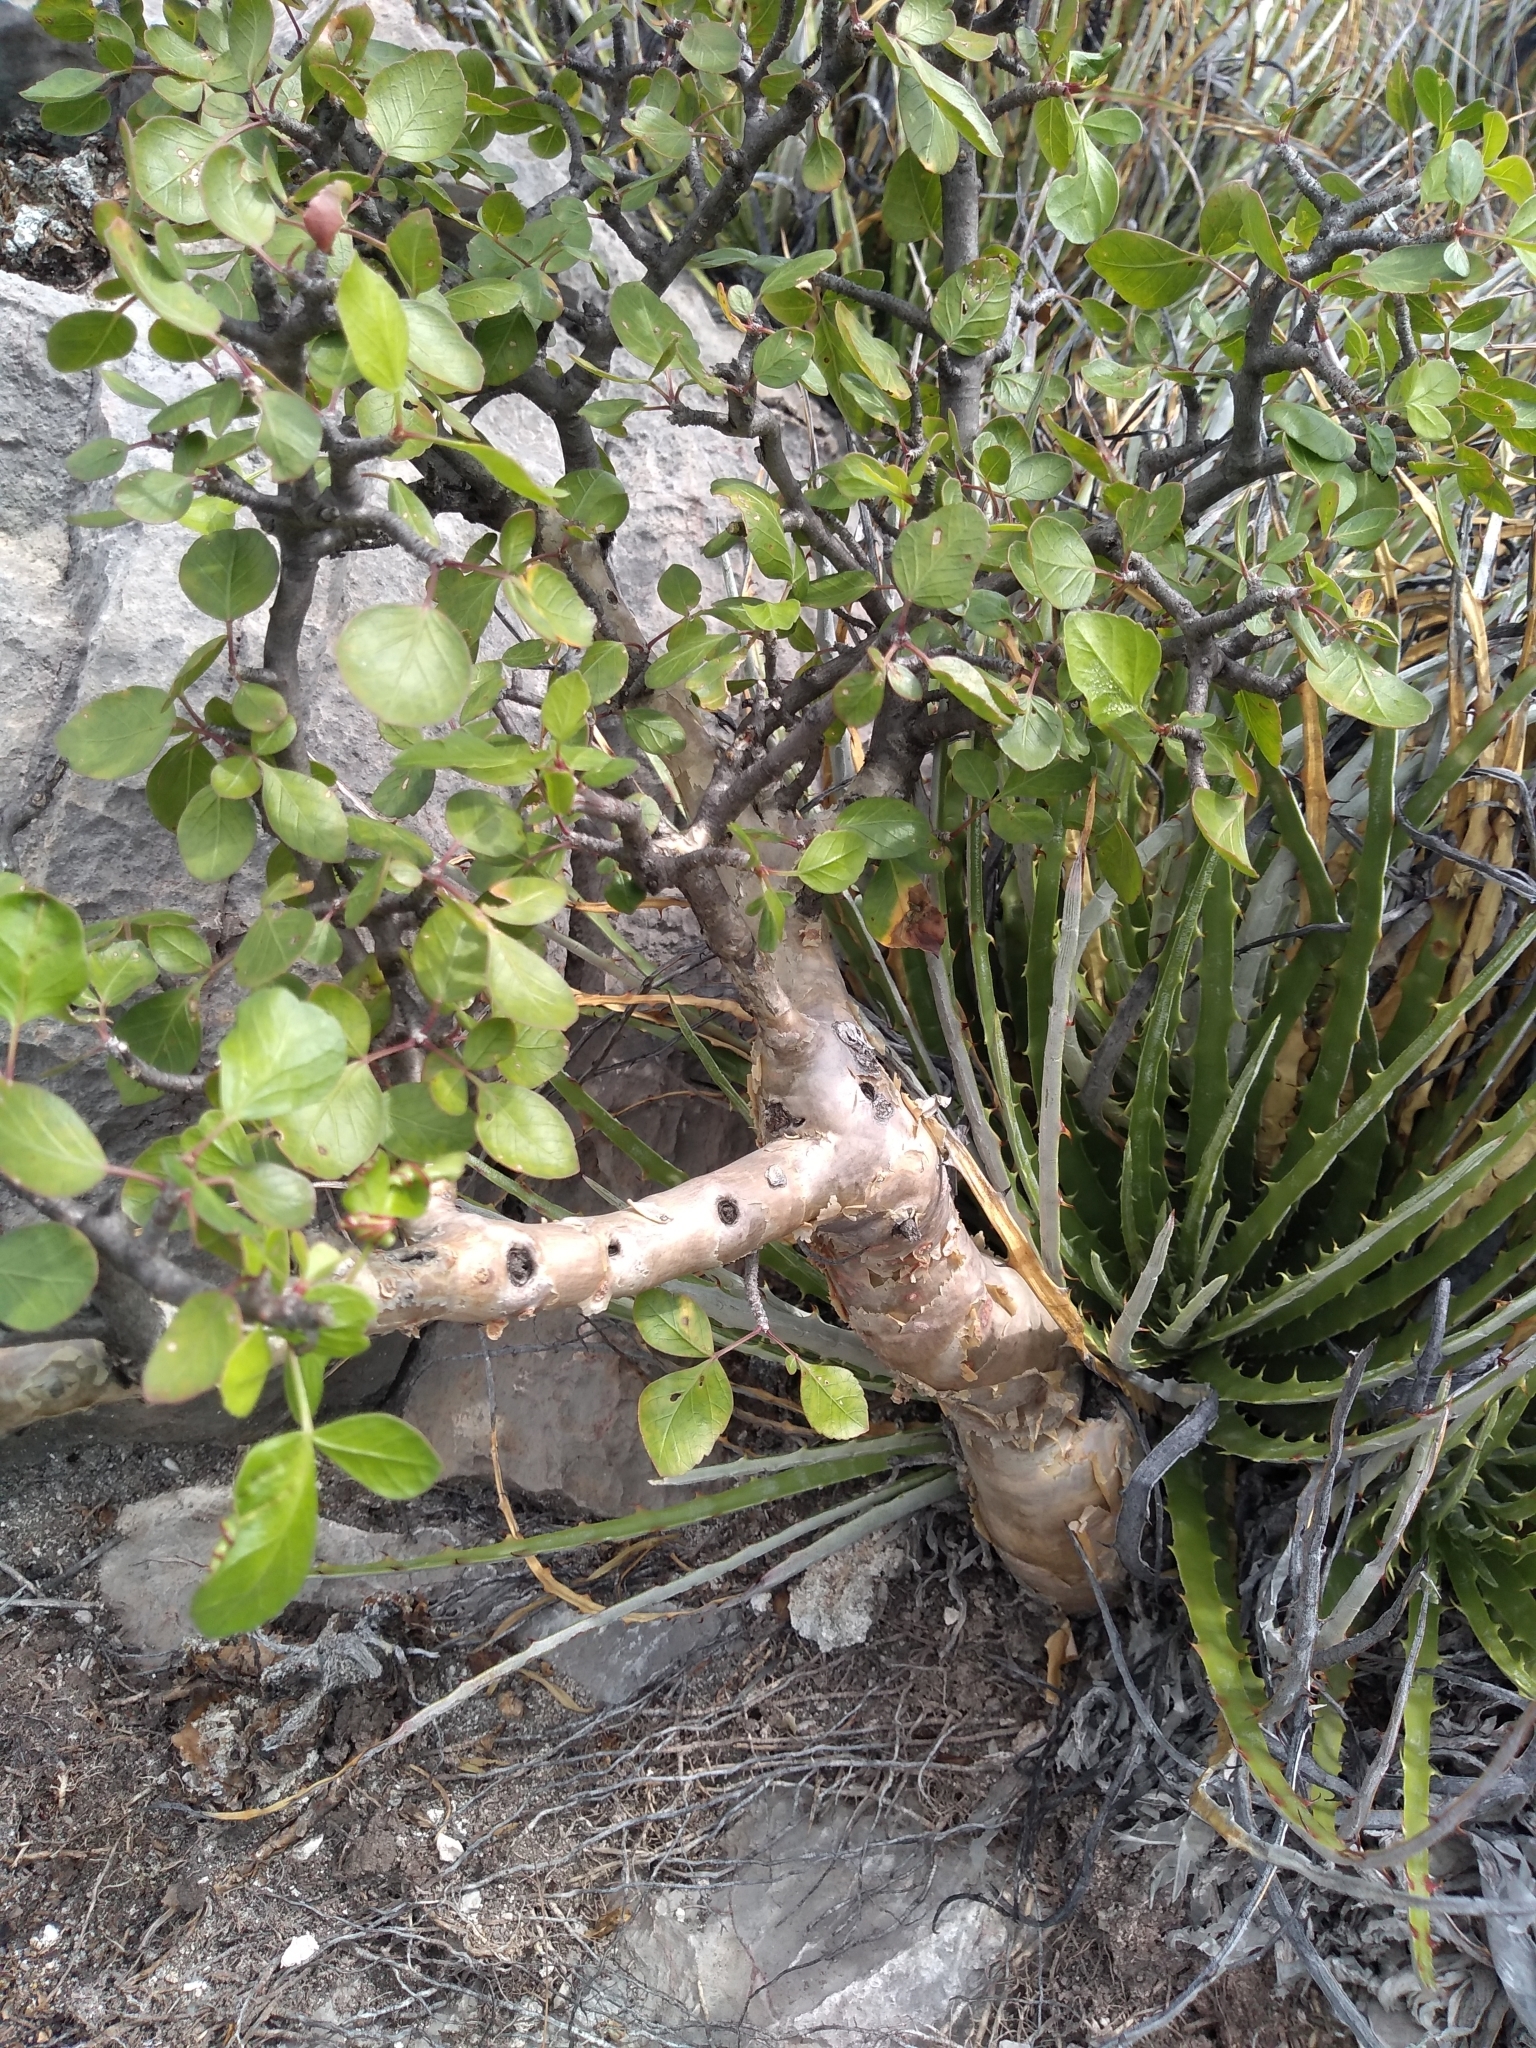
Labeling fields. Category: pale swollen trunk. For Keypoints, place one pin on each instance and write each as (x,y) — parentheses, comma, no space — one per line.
(849,1170)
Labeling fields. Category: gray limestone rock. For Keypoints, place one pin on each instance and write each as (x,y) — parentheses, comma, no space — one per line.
(565,1405)
(617,1663)
(164,1544)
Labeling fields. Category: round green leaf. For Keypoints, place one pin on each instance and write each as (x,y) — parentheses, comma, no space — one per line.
(381,1452)
(1064,574)
(1351,681)
(333,1137)
(303,813)
(823,166)
(934,561)
(406,663)
(42,957)
(44,1144)
(190,1356)
(155,497)
(230,573)
(279,1055)
(98,458)
(165,155)
(417,108)
(682,1416)
(833,1401)
(525,1132)
(215,835)
(165,1029)
(275,1195)
(523,986)
(244,1378)
(832,862)
(1112,660)
(82,340)
(1220,819)
(911,206)
(118,734)
(528,899)
(46,1272)
(235,199)
(266,1559)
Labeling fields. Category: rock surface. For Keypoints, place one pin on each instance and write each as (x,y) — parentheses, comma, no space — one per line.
(826,1934)
(149,1576)
(565,1405)
(617,1663)
(834,1604)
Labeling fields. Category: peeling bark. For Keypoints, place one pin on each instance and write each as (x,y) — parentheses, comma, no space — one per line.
(850,1171)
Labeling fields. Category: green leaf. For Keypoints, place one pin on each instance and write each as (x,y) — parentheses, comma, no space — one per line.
(890,827)
(1081,207)
(711,46)
(1315,431)
(120,970)
(303,813)
(655,732)
(42,956)
(373,321)
(155,496)
(970,308)
(407,663)
(1054,125)
(934,561)
(832,862)
(215,835)
(1112,660)
(417,1129)
(929,134)
(69,82)
(279,1055)
(190,1356)
(1221,819)
(526,1133)
(767,541)
(682,1416)
(44,1144)
(833,1401)
(449,957)
(275,1195)
(1062,568)
(645,325)
(1036,737)
(975,689)
(1351,681)
(673,1323)
(148,277)
(349,1012)
(46,1272)
(269,1545)
(545,599)
(381,1452)
(823,166)
(164,157)
(165,1029)
(96,459)
(235,197)
(229,573)
(952,100)
(118,734)
(416,252)
(438,350)
(417,108)
(782,358)
(333,1137)
(244,1378)
(249,30)
(274,942)
(911,205)
(1423,269)
(528,899)
(523,986)
(289,436)
(1145,270)
(81,341)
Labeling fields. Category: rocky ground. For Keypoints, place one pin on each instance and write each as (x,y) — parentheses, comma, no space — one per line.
(738,1837)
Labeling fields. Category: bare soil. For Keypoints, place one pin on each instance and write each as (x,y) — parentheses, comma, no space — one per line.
(134,1909)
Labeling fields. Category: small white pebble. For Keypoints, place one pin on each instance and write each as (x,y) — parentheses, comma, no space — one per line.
(951,1616)
(84,1616)
(449,1848)
(48,1937)
(470,1902)
(195,1986)
(302,1949)
(310,1846)
(170,1465)
(436,1815)
(681,1912)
